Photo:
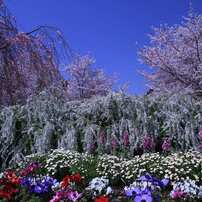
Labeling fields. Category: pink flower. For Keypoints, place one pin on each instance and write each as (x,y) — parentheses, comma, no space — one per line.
(101,137)
(92,147)
(200,139)
(200,135)
(148,143)
(74,196)
(114,143)
(177,194)
(200,147)
(56,198)
(126,138)
(66,194)
(29,169)
(166,146)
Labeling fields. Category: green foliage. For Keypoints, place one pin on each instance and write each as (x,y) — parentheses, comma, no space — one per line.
(24,195)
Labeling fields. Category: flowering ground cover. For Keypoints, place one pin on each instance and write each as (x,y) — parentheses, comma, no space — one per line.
(63,175)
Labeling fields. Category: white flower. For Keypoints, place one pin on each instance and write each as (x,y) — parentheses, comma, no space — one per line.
(56,186)
(98,184)
(189,187)
(1,175)
(109,190)
(144,184)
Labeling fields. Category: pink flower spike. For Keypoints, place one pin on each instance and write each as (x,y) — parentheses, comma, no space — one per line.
(126,138)
(166,146)
(148,143)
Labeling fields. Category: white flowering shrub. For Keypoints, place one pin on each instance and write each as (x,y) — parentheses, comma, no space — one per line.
(61,159)
(109,166)
(97,125)
(175,167)
(133,168)
(180,166)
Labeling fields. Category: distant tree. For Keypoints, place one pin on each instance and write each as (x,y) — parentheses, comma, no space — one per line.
(86,81)
(28,61)
(176,54)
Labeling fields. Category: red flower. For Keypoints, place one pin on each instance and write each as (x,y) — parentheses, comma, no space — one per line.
(76,178)
(8,185)
(65,182)
(9,188)
(102,199)
(11,177)
(5,195)
(70,178)
(29,169)
(7,191)
(2,181)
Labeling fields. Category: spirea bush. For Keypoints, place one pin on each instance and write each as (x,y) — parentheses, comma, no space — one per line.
(114,124)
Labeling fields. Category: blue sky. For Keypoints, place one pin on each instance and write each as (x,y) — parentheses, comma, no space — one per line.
(111,30)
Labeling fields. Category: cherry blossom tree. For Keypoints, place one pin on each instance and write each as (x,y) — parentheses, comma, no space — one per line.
(175,53)
(86,81)
(28,61)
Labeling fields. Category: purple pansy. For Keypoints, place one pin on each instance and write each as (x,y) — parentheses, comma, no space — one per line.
(155,181)
(144,195)
(74,196)
(139,194)
(39,186)
(132,191)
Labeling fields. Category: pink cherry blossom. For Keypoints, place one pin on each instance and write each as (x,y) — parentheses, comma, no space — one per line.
(85,80)
(175,53)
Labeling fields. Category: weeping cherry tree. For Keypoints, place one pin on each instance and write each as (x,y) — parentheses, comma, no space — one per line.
(28,61)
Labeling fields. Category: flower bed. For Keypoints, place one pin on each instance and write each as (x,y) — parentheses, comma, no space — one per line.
(71,176)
